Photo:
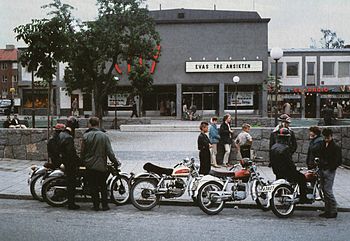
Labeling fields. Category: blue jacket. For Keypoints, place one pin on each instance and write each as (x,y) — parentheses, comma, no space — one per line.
(214,136)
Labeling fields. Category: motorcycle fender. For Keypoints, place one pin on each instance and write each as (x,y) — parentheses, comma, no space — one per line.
(253,190)
(111,180)
(56,173)
(203,180)
(273,187)
(146,174)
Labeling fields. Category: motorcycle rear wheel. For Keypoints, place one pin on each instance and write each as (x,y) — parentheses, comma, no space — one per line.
(36,186)
(54,191)
(281,203)
(261,200)
(206,200)
(120,190)
(142,193)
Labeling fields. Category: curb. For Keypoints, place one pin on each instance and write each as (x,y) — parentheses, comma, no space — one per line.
(185,203)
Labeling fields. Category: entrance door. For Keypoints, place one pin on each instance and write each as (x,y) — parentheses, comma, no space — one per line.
(310,106)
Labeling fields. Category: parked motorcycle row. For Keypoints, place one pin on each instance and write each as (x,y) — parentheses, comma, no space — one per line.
(209,192)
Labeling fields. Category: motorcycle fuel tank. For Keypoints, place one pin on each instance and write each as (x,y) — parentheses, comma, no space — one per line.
(242,174)
(310,176)
(181,171)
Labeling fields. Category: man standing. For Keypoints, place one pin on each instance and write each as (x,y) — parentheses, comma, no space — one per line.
(282,164)
(134,110)
(204,149)
(96,147)
(330,159)
(69,157)
(214,140)
(244,141)
(75,107)
(314,146)
(225,133)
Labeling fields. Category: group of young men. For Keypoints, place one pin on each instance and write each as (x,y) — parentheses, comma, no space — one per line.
(283,145)
(95,148)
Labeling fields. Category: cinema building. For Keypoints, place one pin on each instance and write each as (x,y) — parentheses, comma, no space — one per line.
(200,53)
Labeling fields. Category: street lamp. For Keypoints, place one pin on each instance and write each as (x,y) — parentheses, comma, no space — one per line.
(12,91)
(235,80)
(116,78)
(276,53)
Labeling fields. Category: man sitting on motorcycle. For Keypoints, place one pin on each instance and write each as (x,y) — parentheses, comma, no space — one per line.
(282,163)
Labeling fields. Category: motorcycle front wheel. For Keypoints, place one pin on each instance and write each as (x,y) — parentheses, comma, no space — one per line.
(36,185)
(282,203)
(261,200)
(54,191)
(208,201)
(120,190)
(142,193)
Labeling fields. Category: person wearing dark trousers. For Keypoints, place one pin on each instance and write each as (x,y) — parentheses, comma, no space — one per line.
(70,159)
(134,110)
(204,149)
(282,164)
(314,146)
(96,147)
(328,114)
(330,159)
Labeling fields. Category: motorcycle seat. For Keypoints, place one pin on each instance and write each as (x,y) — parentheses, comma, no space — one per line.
(149,167)
(216,173)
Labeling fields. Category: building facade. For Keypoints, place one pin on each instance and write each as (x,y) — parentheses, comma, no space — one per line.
(8,72)
(311,78)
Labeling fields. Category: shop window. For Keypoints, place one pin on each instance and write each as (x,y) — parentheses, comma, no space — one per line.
(310,68)
(344,69)
(273,69)
(328,69)
(292,69)
(40,99)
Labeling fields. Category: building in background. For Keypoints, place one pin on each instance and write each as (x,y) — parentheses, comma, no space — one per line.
(311,78)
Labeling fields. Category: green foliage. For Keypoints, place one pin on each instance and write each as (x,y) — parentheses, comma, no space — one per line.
(330,40)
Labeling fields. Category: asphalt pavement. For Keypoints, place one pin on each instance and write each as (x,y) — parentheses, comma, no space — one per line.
(134,149)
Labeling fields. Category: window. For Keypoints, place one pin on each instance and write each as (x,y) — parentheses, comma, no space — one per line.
(4,92)
(4,78)
(328,68)
(292,69)
(14,66)
(310,68)
(273,69)
(14,78)
(344,69)
(4,65)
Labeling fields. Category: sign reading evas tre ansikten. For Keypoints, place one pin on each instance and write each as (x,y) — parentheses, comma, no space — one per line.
(223,66)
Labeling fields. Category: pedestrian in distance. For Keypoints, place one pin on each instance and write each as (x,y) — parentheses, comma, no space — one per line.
(7,122)
(282,164)
(285,122)
(244,141)
(204,149)
(286,108)
(225,133)
(75,107)
(328,114)
(314,146)
(70,159)
(134,110)
(330,159)
(96,147)
(214,138)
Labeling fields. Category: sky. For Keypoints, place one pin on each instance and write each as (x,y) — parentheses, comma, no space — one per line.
(293,22)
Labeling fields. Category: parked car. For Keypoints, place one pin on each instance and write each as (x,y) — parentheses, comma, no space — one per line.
(5,106)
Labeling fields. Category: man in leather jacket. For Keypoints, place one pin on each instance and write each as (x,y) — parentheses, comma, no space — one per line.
(69,158)
(314,146)
(282,164)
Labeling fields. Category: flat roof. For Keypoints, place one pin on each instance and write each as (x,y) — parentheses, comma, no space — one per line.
(204,16)
(314,50)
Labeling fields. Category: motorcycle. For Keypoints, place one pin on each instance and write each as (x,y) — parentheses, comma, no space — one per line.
(235,185)
(283,195)
(36,178)
(54,189)
(158,182)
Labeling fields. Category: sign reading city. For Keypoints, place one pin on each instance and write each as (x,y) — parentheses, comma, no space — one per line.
(223,66)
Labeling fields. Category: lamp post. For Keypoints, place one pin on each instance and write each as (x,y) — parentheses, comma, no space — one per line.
(12,91)
(276,53)
(116,78)
(235,80)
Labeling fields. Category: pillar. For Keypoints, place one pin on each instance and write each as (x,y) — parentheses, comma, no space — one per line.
(221,99)
(178,101)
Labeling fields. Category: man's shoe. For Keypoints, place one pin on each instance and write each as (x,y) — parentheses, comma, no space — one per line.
(73,207)
(105,208)
(331,215)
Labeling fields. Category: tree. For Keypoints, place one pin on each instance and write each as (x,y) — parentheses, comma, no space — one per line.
(329,40)
(123,32)
(48,43)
